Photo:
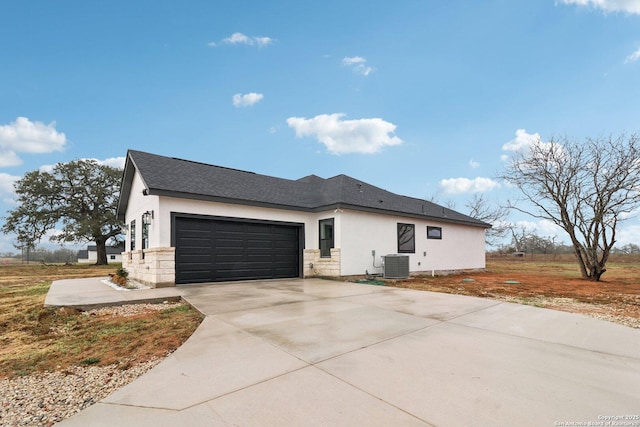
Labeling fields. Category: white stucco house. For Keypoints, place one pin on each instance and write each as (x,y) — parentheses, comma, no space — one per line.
(90,255)
(189,222)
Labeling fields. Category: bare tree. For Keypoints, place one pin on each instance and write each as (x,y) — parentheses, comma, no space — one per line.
(496,215)
(629,249)
(519,235)
(587,189)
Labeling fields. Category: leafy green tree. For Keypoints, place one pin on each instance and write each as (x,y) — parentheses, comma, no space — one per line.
(586,189)
(81,197)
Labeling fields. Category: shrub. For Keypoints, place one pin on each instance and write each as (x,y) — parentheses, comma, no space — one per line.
(90,361)
(121,277)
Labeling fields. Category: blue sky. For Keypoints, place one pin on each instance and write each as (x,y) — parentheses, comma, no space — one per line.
(422,98)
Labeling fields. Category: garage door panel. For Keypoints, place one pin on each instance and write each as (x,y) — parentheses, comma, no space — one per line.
(254,244)
(195,260)
(223,250)
(229,243)
(228,258)
(281,243)
(254,258)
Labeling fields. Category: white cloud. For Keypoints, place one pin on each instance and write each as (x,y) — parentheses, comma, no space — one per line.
(114,162)
(263,41)
(236,38)
(543,228)
(239,38)
(358,65)
(6,187)
(522,141)
(346,136)
(633,57)
(473,164)
(25,136)
(628,6)
(246,100)
(466,185)
(628,233)
(354,60)
(9,158)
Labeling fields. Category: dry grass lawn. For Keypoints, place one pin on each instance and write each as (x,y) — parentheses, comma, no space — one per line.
(35,339)
(551,282)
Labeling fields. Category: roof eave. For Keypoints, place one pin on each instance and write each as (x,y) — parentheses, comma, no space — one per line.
(401,213)
(315,209)
(125,186)
(229,200)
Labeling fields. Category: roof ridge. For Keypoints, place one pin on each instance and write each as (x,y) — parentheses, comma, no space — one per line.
(215,166)
(171,176)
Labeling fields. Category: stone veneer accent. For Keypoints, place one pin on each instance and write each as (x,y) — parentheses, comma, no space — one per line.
(327,267)
(155,267)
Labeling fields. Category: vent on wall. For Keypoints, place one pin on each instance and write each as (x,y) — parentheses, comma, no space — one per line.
(396,266)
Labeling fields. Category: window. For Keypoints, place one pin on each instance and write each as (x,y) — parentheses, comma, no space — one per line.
(434,232)
(132,228)
(406,238)
(326,237)
(112,257)
(145,235)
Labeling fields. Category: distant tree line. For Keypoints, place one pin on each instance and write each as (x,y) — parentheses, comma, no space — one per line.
(629,248)
(57,256)
(523,240)
(529,242)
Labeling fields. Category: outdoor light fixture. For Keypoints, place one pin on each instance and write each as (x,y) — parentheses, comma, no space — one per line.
(147,217)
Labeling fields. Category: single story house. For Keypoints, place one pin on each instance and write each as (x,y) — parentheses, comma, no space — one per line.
(90,255)
(190,222)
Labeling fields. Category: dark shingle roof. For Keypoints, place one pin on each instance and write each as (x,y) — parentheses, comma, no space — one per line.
(167,176)
(111,250)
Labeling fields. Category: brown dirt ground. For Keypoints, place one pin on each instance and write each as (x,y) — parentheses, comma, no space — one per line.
(550,282)
(34,338)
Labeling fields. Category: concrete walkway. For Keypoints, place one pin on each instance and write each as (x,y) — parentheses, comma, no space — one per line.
(324,353)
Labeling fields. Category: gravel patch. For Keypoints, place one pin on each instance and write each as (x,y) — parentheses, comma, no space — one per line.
(129,310)
(132,285)
(44,399)
(47,398)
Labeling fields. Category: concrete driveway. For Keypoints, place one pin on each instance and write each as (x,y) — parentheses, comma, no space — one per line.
(326,353)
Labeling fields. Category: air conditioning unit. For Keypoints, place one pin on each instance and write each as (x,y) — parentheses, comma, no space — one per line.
(396,266)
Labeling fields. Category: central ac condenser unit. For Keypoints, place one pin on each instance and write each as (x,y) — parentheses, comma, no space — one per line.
(396,266)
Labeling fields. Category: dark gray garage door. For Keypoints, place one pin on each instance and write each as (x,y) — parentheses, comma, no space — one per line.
(210,250)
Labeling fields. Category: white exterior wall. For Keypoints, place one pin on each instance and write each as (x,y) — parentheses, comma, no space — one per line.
(139,204)
(199,207)
(117,257)
(356,234)
(93,258)
(154,267)
(461,247)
